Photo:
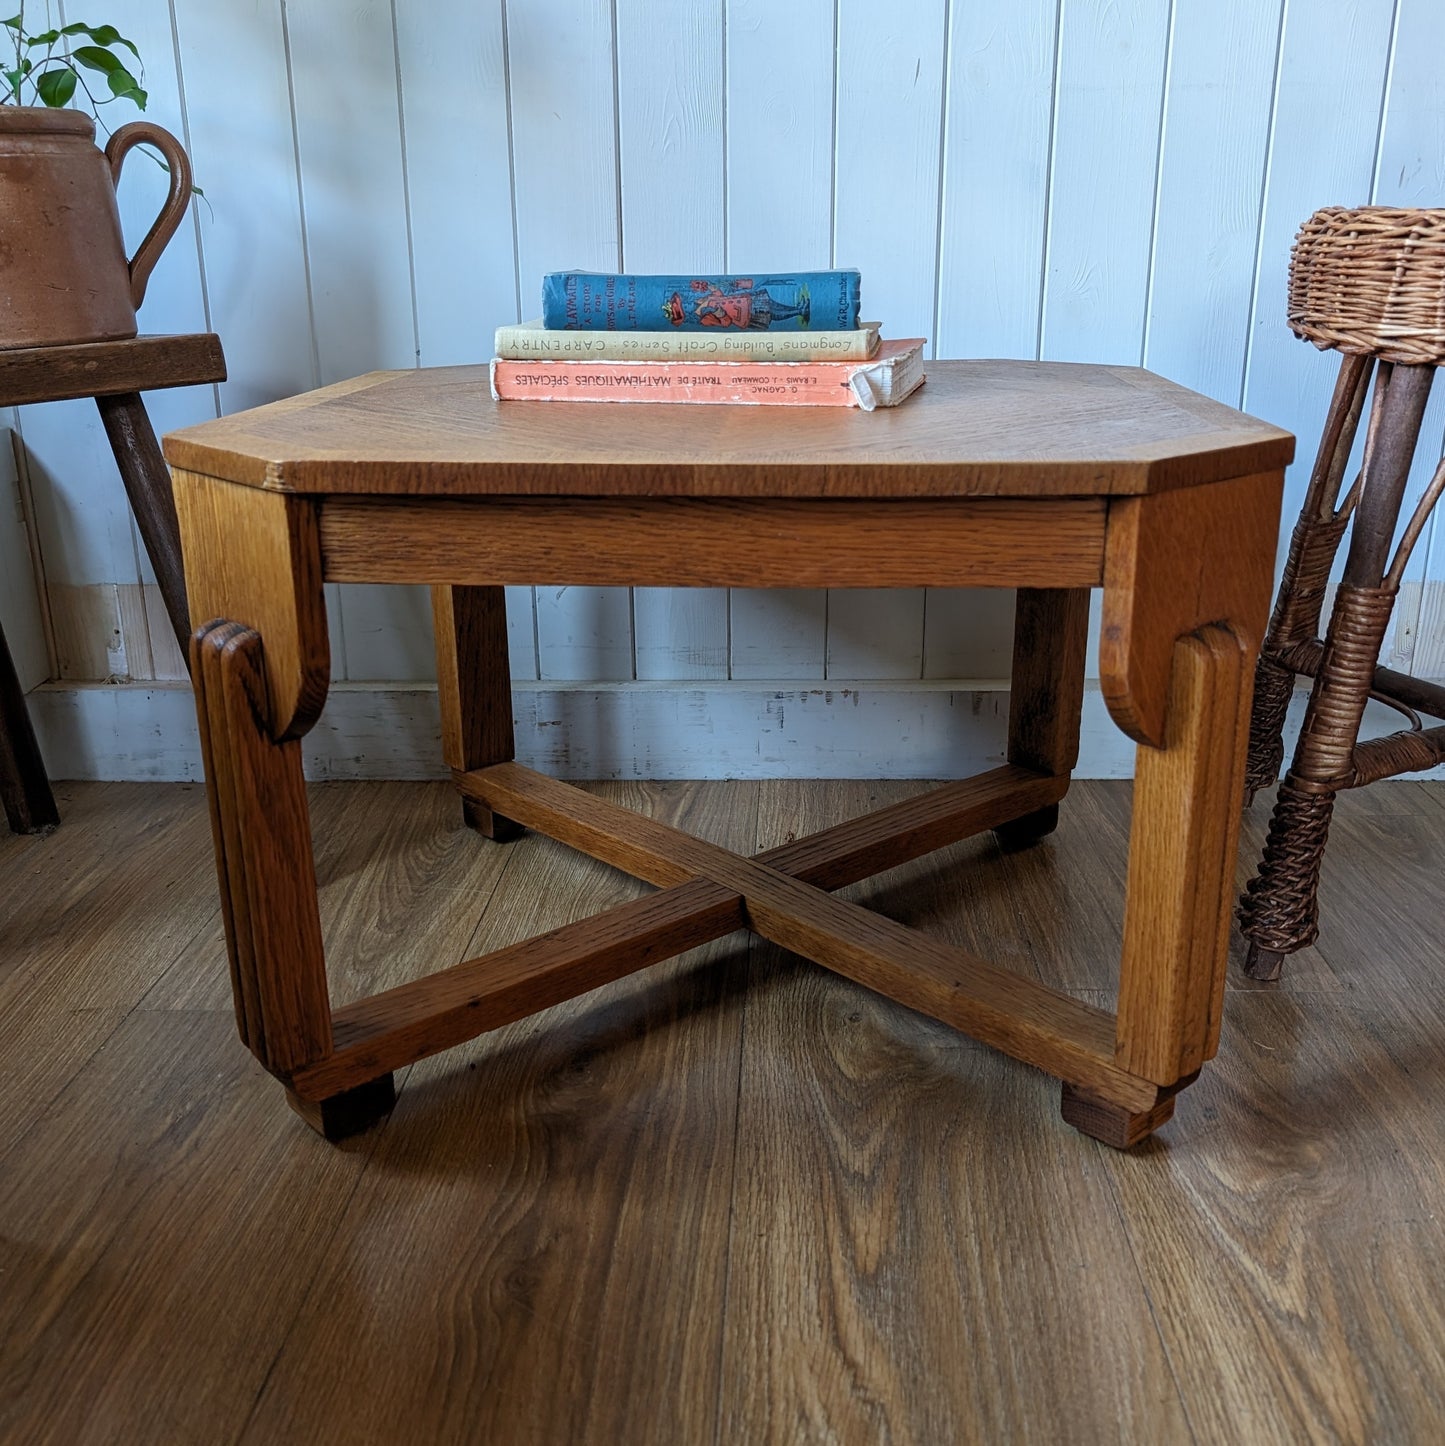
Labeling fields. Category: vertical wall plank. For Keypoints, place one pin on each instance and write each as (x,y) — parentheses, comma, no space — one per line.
(1411,172)
(1106,150)
(682,632)
(779,136)
(564,148)
(452,55)
(458,176)
(587,637)
(238,108)
(779,216)
(875,632)
(348,141)
(1332,70)
(1216,134)
(670,136)
(996,176)
(779,632)
(348,138)
(999,120)
(968,633)
(890,108)
(886,196)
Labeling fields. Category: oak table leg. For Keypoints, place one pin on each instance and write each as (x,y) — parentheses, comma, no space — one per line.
(1046,696)
(1187,580)
(1187,801)
(474,684)
(260,681)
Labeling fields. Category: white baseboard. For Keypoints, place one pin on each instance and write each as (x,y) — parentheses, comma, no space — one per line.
(619,730)
(622,730)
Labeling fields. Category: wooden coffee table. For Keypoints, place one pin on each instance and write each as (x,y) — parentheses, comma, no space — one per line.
(1046,477)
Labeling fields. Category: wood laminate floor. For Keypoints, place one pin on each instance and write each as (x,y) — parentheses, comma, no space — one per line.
(733,1199)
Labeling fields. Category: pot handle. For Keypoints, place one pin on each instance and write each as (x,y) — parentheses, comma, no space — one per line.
(164,227)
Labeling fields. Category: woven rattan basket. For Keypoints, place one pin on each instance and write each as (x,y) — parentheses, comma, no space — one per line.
(1371,279)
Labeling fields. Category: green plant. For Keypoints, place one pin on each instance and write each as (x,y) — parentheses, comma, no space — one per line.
(56,73)
(53,66)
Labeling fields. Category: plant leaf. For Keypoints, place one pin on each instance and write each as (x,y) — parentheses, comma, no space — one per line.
(123,86)
(13,23)
(55,87)
(46,37)
(92,57)
(103,35)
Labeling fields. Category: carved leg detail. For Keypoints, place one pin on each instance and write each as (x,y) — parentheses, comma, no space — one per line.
(262,835)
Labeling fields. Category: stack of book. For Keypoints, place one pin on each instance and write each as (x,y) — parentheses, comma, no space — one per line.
(773,340)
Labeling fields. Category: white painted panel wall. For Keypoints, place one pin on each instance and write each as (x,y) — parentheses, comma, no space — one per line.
(780,208)
(562,83)
(386,182)
(670,131)
(1104,177)
(452,62)
(885,207)
(1411,172)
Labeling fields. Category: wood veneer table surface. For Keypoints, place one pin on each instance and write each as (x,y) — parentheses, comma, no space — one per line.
(977,428)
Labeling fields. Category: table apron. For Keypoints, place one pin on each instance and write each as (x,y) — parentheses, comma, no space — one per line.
(690,542)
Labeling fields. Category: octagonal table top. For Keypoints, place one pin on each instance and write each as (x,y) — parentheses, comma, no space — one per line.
(975,429)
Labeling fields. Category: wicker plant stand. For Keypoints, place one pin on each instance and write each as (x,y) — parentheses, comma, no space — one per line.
(1368,282)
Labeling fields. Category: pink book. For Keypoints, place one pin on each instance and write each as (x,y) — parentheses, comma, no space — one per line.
(884,380)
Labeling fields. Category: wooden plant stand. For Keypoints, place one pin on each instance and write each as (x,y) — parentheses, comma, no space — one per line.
(115,373)
(1048,478)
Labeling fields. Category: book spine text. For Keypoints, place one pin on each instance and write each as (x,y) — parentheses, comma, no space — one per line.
(825,384)
(522,343)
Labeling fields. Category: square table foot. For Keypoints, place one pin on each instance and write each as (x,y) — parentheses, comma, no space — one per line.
(349,1113)
(1114,1125)
(494,826)
(1020,833)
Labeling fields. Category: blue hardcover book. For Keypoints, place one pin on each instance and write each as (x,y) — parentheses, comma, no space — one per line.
(592,301)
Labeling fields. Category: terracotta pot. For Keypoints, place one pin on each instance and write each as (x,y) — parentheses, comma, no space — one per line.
(64,276)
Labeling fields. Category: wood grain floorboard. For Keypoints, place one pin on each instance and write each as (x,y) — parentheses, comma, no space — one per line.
(574,1171)
(158,1229)
(919,1252)
(402,885)
(90,916)
(733,1198)
(1292,1240)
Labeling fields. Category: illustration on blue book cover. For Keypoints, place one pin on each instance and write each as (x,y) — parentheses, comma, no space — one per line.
(741,302)
(587,301)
